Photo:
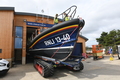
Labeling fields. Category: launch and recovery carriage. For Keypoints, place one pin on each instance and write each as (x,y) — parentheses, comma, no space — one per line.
(54,47)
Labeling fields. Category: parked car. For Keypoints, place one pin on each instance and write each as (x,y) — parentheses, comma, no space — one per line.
(4,66)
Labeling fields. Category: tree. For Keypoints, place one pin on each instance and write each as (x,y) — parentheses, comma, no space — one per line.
(118,37)
(102,39)
(110,39)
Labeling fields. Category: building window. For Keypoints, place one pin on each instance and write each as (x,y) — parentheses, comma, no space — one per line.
(18,37)
(19,32)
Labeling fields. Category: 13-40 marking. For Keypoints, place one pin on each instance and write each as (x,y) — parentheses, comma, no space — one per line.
(65,37)
(57,39)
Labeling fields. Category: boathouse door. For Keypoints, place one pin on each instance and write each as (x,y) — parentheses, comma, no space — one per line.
(78,50)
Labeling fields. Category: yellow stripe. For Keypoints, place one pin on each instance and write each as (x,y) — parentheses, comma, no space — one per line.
(50,33)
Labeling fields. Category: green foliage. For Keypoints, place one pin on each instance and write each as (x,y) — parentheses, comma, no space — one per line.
(102,40)
(110,39)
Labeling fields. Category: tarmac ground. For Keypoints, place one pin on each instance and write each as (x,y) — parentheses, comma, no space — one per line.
(102,69)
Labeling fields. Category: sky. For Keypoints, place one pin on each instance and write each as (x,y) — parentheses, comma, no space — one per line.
(99,15)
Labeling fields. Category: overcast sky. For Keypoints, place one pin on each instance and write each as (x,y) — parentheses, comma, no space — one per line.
(99,15)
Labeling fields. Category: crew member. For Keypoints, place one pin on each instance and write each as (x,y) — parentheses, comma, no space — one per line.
(66,17)
(56,19)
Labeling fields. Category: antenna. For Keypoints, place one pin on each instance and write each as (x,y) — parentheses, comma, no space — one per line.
(42,14)
(41,29)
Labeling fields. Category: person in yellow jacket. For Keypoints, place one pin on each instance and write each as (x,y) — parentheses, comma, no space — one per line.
(66,17)
(56,19)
